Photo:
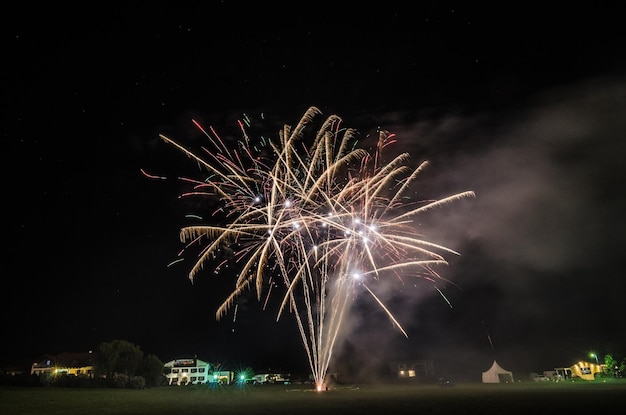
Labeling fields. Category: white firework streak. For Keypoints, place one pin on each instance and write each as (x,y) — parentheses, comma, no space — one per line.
(311,217)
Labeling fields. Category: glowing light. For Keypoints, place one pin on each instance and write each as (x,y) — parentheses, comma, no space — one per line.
(314,198)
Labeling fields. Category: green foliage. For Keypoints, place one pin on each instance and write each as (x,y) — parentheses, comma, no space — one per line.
(611,364)
(66,380)
(614,367)
(152,371)
(124,366)
(118,380)
(118,356)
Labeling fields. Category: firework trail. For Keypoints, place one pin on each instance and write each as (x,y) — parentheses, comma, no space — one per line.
(327,220)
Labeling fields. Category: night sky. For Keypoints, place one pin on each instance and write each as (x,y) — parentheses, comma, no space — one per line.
(523,103)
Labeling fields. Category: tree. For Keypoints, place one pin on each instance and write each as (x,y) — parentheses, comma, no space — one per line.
(152,370)
(123,365)
(118,357)
(613,366)
(610,364)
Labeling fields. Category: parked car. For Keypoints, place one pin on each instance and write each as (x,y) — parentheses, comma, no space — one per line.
(541,378)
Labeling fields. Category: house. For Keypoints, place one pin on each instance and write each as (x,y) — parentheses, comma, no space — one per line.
(188,371)
(583,370)
(74,364)
(412,369)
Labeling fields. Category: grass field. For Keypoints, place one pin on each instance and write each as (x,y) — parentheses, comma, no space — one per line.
(484,399)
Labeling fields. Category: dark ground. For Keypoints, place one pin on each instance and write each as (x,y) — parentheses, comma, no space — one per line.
(471,398)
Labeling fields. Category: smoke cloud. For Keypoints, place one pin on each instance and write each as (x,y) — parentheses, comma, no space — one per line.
(538,243)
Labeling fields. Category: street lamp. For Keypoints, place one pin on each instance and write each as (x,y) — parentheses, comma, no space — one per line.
(596,356)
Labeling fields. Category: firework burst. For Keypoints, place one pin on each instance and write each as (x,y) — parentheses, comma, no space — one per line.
(321,220)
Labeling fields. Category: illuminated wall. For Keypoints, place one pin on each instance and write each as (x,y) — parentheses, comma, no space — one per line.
(75,364)
(586,370)
(188,371)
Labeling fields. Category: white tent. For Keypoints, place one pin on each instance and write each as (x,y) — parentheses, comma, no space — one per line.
(496,374)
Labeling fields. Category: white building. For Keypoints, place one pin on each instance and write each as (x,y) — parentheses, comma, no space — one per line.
(188,371)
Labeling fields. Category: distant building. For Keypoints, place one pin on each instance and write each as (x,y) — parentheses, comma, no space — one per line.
(583,370)
(188,371)
(74,364)
(412,369)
